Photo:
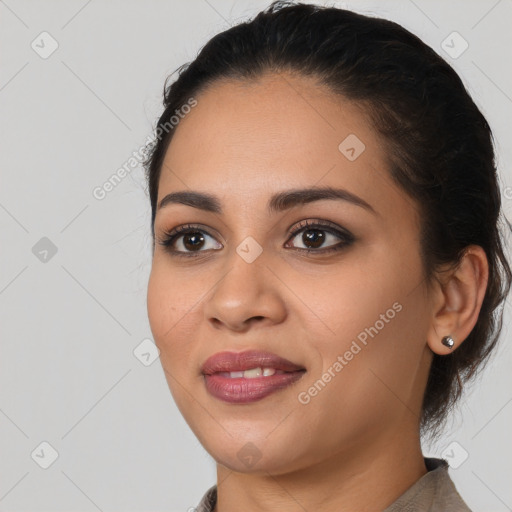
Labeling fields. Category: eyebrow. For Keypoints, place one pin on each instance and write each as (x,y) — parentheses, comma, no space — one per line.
(279,202)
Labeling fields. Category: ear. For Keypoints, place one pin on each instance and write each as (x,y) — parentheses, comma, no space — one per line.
(457,300)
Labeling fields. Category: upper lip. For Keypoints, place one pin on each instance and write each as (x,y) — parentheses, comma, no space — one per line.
(240,361)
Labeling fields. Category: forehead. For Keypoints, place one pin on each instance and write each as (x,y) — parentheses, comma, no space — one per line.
(279,117)
(249,139)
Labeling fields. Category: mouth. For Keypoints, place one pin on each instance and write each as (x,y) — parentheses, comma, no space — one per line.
(251,361)
(246,377)
(252,373)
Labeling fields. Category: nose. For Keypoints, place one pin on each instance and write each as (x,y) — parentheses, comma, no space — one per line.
(245,295)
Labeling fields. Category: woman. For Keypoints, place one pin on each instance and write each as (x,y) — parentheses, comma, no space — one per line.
(327,260)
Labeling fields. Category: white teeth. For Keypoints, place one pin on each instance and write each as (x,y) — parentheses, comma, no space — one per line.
(252,373)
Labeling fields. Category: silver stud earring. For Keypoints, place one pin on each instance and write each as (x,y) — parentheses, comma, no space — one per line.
(447,341)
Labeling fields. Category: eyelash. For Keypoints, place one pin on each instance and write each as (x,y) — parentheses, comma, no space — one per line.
(322,225)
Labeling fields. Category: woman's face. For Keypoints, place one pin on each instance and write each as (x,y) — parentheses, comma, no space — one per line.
(353,311)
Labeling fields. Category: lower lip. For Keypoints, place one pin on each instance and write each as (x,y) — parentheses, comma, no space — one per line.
(241,390)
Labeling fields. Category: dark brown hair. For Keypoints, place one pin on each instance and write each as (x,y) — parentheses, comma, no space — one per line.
(440,145)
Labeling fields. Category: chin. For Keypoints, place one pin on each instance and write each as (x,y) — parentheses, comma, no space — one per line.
(251,456)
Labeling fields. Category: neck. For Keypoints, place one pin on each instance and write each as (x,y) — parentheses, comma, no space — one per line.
(367,479)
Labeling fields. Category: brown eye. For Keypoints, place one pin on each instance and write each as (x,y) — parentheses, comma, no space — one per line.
(313,238)
(318,235)
(187,240)
(193,241)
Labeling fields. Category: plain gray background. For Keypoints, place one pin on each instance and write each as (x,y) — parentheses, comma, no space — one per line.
(72,319)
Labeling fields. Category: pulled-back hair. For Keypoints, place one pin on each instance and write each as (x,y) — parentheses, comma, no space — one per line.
(440,146)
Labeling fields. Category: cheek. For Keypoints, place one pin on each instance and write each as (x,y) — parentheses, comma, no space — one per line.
(346,298)
(160,303)
(172,322)
(171,314)
(371,316)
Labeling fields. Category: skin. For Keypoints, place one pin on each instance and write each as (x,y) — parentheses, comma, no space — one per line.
(355,445)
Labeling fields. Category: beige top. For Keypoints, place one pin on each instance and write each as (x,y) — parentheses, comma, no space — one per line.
(433,492)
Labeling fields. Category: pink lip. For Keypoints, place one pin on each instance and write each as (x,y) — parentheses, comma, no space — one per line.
(241,390)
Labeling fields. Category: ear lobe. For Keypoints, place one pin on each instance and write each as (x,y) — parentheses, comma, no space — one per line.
(457,301)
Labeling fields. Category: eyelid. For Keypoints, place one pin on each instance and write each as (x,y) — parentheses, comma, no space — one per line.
(185,228)
(300,225)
